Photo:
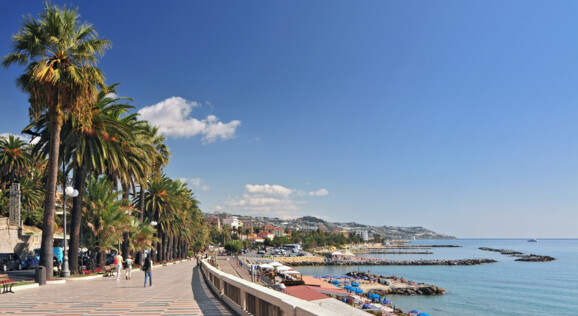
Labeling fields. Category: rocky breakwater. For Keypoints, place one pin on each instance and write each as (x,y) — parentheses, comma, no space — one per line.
(384,285)
(385,262)
(521,256)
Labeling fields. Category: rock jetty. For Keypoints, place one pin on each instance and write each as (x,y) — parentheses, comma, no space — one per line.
(521,256)
(399,286)
(385,262)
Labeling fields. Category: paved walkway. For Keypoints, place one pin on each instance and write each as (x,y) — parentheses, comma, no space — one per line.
(178,289)
(228,264)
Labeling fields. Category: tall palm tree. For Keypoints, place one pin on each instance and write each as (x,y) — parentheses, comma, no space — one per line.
(157,153)
(61,79)
(92,150)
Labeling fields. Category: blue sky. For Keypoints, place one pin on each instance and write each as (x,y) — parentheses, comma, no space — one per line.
(459,116)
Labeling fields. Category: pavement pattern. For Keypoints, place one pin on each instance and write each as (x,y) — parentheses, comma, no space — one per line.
(178,289)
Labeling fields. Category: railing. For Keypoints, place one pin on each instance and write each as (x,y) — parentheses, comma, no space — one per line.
(247,298)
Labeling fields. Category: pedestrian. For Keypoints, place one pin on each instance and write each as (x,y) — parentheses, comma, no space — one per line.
(128,270)
(118,265)
(148,269)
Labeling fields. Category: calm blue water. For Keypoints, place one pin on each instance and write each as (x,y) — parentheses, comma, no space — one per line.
(504,288)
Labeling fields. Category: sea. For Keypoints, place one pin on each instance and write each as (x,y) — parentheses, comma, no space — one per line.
(507,287)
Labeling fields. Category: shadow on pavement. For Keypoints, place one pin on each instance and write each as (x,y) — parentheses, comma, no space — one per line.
(208,303)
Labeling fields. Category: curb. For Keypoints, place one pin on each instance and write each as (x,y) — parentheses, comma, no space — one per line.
(90,277)
(24,287)
(55,282)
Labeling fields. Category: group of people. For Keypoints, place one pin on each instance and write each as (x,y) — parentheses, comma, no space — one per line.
(147,267)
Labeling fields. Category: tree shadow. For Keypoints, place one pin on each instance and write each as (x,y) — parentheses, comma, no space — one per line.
(208,302)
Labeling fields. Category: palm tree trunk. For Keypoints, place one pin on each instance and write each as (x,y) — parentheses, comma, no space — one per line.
(141,206)
(159,244)
(171,241)
(175,247)
(46,250)
(102,259)
(125,235)
(79,183)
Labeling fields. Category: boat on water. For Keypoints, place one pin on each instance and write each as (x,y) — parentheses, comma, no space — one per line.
(532,240)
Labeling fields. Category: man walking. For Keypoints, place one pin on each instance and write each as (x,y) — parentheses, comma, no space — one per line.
(148,269)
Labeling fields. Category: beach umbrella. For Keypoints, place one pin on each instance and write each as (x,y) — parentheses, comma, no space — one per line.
(291,272)
(423,314)
(355,284)
(275,264)
(335,282)
(359,291)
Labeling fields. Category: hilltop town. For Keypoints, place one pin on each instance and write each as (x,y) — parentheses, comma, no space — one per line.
(277,226)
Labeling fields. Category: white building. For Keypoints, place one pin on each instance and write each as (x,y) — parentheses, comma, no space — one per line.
(232,221)
(363,233)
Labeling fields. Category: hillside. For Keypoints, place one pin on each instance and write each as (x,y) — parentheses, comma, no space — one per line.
(308,223)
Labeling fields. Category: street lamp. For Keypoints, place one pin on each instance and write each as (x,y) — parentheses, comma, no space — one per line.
(70,191)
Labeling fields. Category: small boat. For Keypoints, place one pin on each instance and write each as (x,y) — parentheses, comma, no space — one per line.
(532,240)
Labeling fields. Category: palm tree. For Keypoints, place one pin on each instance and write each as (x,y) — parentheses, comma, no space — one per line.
(14,159)
(92,150)
(141,235)
(106,215)
(61,79)
(157,153)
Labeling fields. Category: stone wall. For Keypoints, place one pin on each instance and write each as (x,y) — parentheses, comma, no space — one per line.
(11,239)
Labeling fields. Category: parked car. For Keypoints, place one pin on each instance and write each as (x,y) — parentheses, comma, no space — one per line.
(10,261)
(29,262)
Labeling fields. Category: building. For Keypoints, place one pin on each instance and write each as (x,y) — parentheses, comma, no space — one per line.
(265,234)
(248,225)
(213,221)
(278,232)
(232,221)
(363,233)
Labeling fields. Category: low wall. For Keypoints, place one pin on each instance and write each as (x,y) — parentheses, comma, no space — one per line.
(11,239)
(248,298)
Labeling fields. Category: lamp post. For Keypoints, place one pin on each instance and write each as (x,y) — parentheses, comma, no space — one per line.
(70,191)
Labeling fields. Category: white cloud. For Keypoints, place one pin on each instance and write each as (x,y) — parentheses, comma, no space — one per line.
(269,200)
(172,117)
(196,183)
(320,192)
(274,189)
(25,138)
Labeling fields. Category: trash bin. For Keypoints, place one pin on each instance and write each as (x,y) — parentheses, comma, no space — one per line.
(40,276)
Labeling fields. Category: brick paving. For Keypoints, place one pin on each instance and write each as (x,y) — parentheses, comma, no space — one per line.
(178,289)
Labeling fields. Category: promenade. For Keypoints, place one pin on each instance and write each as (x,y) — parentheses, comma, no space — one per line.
(178,289)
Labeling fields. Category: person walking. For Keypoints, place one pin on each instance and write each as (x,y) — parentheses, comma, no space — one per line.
(128,267)
(148,269)
(119,261)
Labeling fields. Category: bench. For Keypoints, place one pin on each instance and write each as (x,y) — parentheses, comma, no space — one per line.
(7,284)
(108,270)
